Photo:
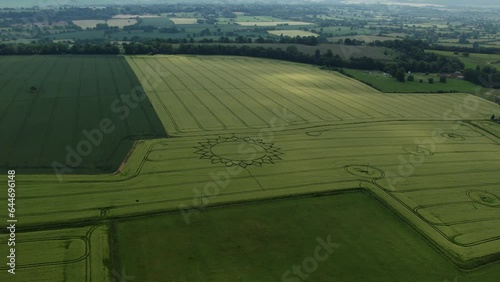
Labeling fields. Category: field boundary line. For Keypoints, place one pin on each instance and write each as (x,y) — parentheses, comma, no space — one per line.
(130,79)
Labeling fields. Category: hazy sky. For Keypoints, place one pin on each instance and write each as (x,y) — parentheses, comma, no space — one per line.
(30,3)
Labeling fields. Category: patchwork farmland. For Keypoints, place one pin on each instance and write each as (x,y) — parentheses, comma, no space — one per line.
(241,130)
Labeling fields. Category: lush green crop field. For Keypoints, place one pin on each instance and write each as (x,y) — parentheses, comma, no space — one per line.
(185,90)
(74,94)
(81,253)
(246,129)
(262,242)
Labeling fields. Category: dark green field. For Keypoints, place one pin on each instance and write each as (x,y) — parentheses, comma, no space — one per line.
(72,94)
(260,242)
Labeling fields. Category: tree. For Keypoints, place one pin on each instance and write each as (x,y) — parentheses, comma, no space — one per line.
(442,79)
(411,78)
(317,54)
(421,81)
(292,49)
(400,75)
(463,39)
(430,80)
(34,89)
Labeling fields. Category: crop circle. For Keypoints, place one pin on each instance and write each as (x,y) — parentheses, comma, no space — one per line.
(365,171)
(417,150)
(453,136)
(484,198)
(238,151)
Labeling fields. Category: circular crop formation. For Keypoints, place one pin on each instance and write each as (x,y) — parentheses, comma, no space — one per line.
(484,198)
(365,171)
(238,151)
(453,136)
(417,150)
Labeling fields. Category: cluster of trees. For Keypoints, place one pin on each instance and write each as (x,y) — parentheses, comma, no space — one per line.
(487,76)
(306,40)
(414,58)
(476,48)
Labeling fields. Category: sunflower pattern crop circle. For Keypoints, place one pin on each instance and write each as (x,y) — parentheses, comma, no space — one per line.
(238,151)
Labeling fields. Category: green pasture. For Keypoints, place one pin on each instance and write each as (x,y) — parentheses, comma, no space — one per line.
(246,243)
(390,84)
(158,22)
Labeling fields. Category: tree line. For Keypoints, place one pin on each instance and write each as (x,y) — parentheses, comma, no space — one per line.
(59,49)
(412,56)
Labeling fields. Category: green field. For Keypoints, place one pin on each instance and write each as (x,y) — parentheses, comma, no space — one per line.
(245,241)
(75,94)
(244,129)
(391,85)
(120,23)
(183,20)
(54,255)
(88,23)
(292,33)
(473,60)
(257,19)
(159,22)
(266,21)
(366,38)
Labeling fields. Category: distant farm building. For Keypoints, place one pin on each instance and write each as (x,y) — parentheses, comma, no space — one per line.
(456,75)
